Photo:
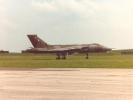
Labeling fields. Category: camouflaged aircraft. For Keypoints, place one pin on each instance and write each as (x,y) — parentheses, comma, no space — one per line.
(39,46)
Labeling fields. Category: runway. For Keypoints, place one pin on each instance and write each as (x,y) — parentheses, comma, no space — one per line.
(66,84)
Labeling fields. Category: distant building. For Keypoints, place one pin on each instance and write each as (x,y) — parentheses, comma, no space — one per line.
(2,51)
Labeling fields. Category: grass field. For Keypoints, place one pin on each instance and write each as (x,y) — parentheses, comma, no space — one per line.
(110,60)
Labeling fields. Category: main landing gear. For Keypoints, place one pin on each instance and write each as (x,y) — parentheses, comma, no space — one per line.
(61,56)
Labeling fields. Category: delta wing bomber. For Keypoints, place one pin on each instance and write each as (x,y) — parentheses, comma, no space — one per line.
(39,46)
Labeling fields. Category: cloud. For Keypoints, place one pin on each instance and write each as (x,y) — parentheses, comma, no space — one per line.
(45,6)
(84,7)
(81,7)
(3,24)
(3,16)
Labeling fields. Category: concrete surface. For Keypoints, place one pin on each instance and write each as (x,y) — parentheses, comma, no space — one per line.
(66,84)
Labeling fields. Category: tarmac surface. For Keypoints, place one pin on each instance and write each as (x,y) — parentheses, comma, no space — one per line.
(66,84)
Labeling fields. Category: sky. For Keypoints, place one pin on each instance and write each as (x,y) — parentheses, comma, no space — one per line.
(108,22)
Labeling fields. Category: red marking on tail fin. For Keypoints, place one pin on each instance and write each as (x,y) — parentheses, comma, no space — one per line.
(37,42)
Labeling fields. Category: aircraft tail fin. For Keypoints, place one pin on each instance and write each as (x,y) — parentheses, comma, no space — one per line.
(37,42)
